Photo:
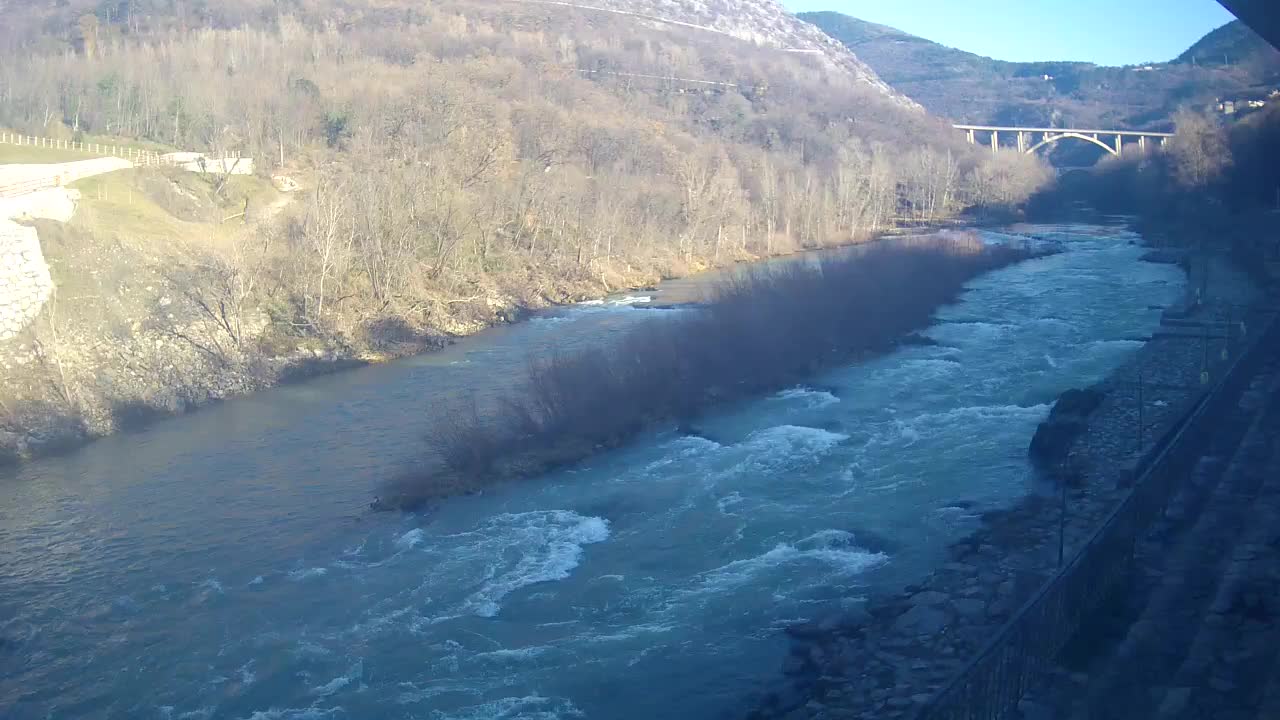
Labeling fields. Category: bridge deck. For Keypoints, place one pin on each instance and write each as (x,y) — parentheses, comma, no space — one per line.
(1125,133)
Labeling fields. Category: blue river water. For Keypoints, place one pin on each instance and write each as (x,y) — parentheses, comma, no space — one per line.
(225,564)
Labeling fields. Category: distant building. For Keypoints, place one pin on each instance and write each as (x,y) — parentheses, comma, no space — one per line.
(1227,107)
(1257,103)
(1048,77)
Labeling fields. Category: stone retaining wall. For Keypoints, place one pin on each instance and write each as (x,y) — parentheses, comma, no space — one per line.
(25,283)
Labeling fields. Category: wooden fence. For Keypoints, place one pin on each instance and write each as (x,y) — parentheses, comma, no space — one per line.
(137,156)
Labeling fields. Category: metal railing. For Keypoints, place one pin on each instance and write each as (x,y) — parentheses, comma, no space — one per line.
(991,684)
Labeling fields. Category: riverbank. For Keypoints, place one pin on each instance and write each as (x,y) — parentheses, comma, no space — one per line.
(887,659)
(183,334)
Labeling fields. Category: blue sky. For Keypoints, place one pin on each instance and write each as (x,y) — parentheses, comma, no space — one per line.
(1107,32)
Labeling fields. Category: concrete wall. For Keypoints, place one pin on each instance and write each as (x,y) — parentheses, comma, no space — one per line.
(25,283)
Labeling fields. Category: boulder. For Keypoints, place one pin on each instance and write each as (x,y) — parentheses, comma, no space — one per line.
(1067,421)
(921,620)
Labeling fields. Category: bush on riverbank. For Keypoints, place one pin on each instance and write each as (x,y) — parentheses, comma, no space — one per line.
(763,330)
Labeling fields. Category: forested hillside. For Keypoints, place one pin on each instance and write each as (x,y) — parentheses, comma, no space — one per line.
(458,161)
(1230,63)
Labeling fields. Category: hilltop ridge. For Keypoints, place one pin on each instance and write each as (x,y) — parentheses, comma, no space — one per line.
(971,88)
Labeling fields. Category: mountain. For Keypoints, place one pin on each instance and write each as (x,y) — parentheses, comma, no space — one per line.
(971,88)
(763,23)
(1230,44)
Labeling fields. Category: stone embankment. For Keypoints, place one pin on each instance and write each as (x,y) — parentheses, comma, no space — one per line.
(1196,634)
(25,283)
(30,192)
(887,661)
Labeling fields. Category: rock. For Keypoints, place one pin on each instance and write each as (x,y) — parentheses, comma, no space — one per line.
(1034,711)
(1165,256)
(1066,422)
(1175,702)
(929,597)
(1222,685)
(921,620)
(1077,403)
(969,608)
(793,666)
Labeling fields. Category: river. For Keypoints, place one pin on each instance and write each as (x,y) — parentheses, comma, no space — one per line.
(224,564)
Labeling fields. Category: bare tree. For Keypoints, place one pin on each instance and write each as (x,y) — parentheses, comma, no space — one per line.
(1199,150)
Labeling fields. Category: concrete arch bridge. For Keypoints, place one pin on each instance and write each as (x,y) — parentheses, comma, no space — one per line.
(1029,140)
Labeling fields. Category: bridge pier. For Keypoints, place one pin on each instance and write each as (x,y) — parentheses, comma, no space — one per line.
(995,141)
(1022,142)
(972,139)
(1119,145)
(1142,144)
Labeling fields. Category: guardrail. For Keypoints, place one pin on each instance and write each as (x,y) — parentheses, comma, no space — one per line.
(990,685)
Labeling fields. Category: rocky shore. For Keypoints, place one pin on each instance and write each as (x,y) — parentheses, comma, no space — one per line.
(887,660)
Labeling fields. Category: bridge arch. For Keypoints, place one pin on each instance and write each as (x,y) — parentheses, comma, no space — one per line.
(1063,136)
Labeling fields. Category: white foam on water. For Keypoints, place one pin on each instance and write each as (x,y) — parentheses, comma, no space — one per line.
(914,373)
(785,447)
(551,319)
(685,447)
(812,399)
(309,648)
(548,545)
(632,300)
(354,673)
(208,589)
(515,655)
(530,707)
(898,432)
(728,501)
(257,580)
(836,548)
(1116,345)
(379,623)
(413,538)
(308,573)
(630,632)
(311,713)
(592,303)
(247,675)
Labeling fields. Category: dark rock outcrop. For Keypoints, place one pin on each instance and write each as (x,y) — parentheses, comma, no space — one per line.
(1066,422)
